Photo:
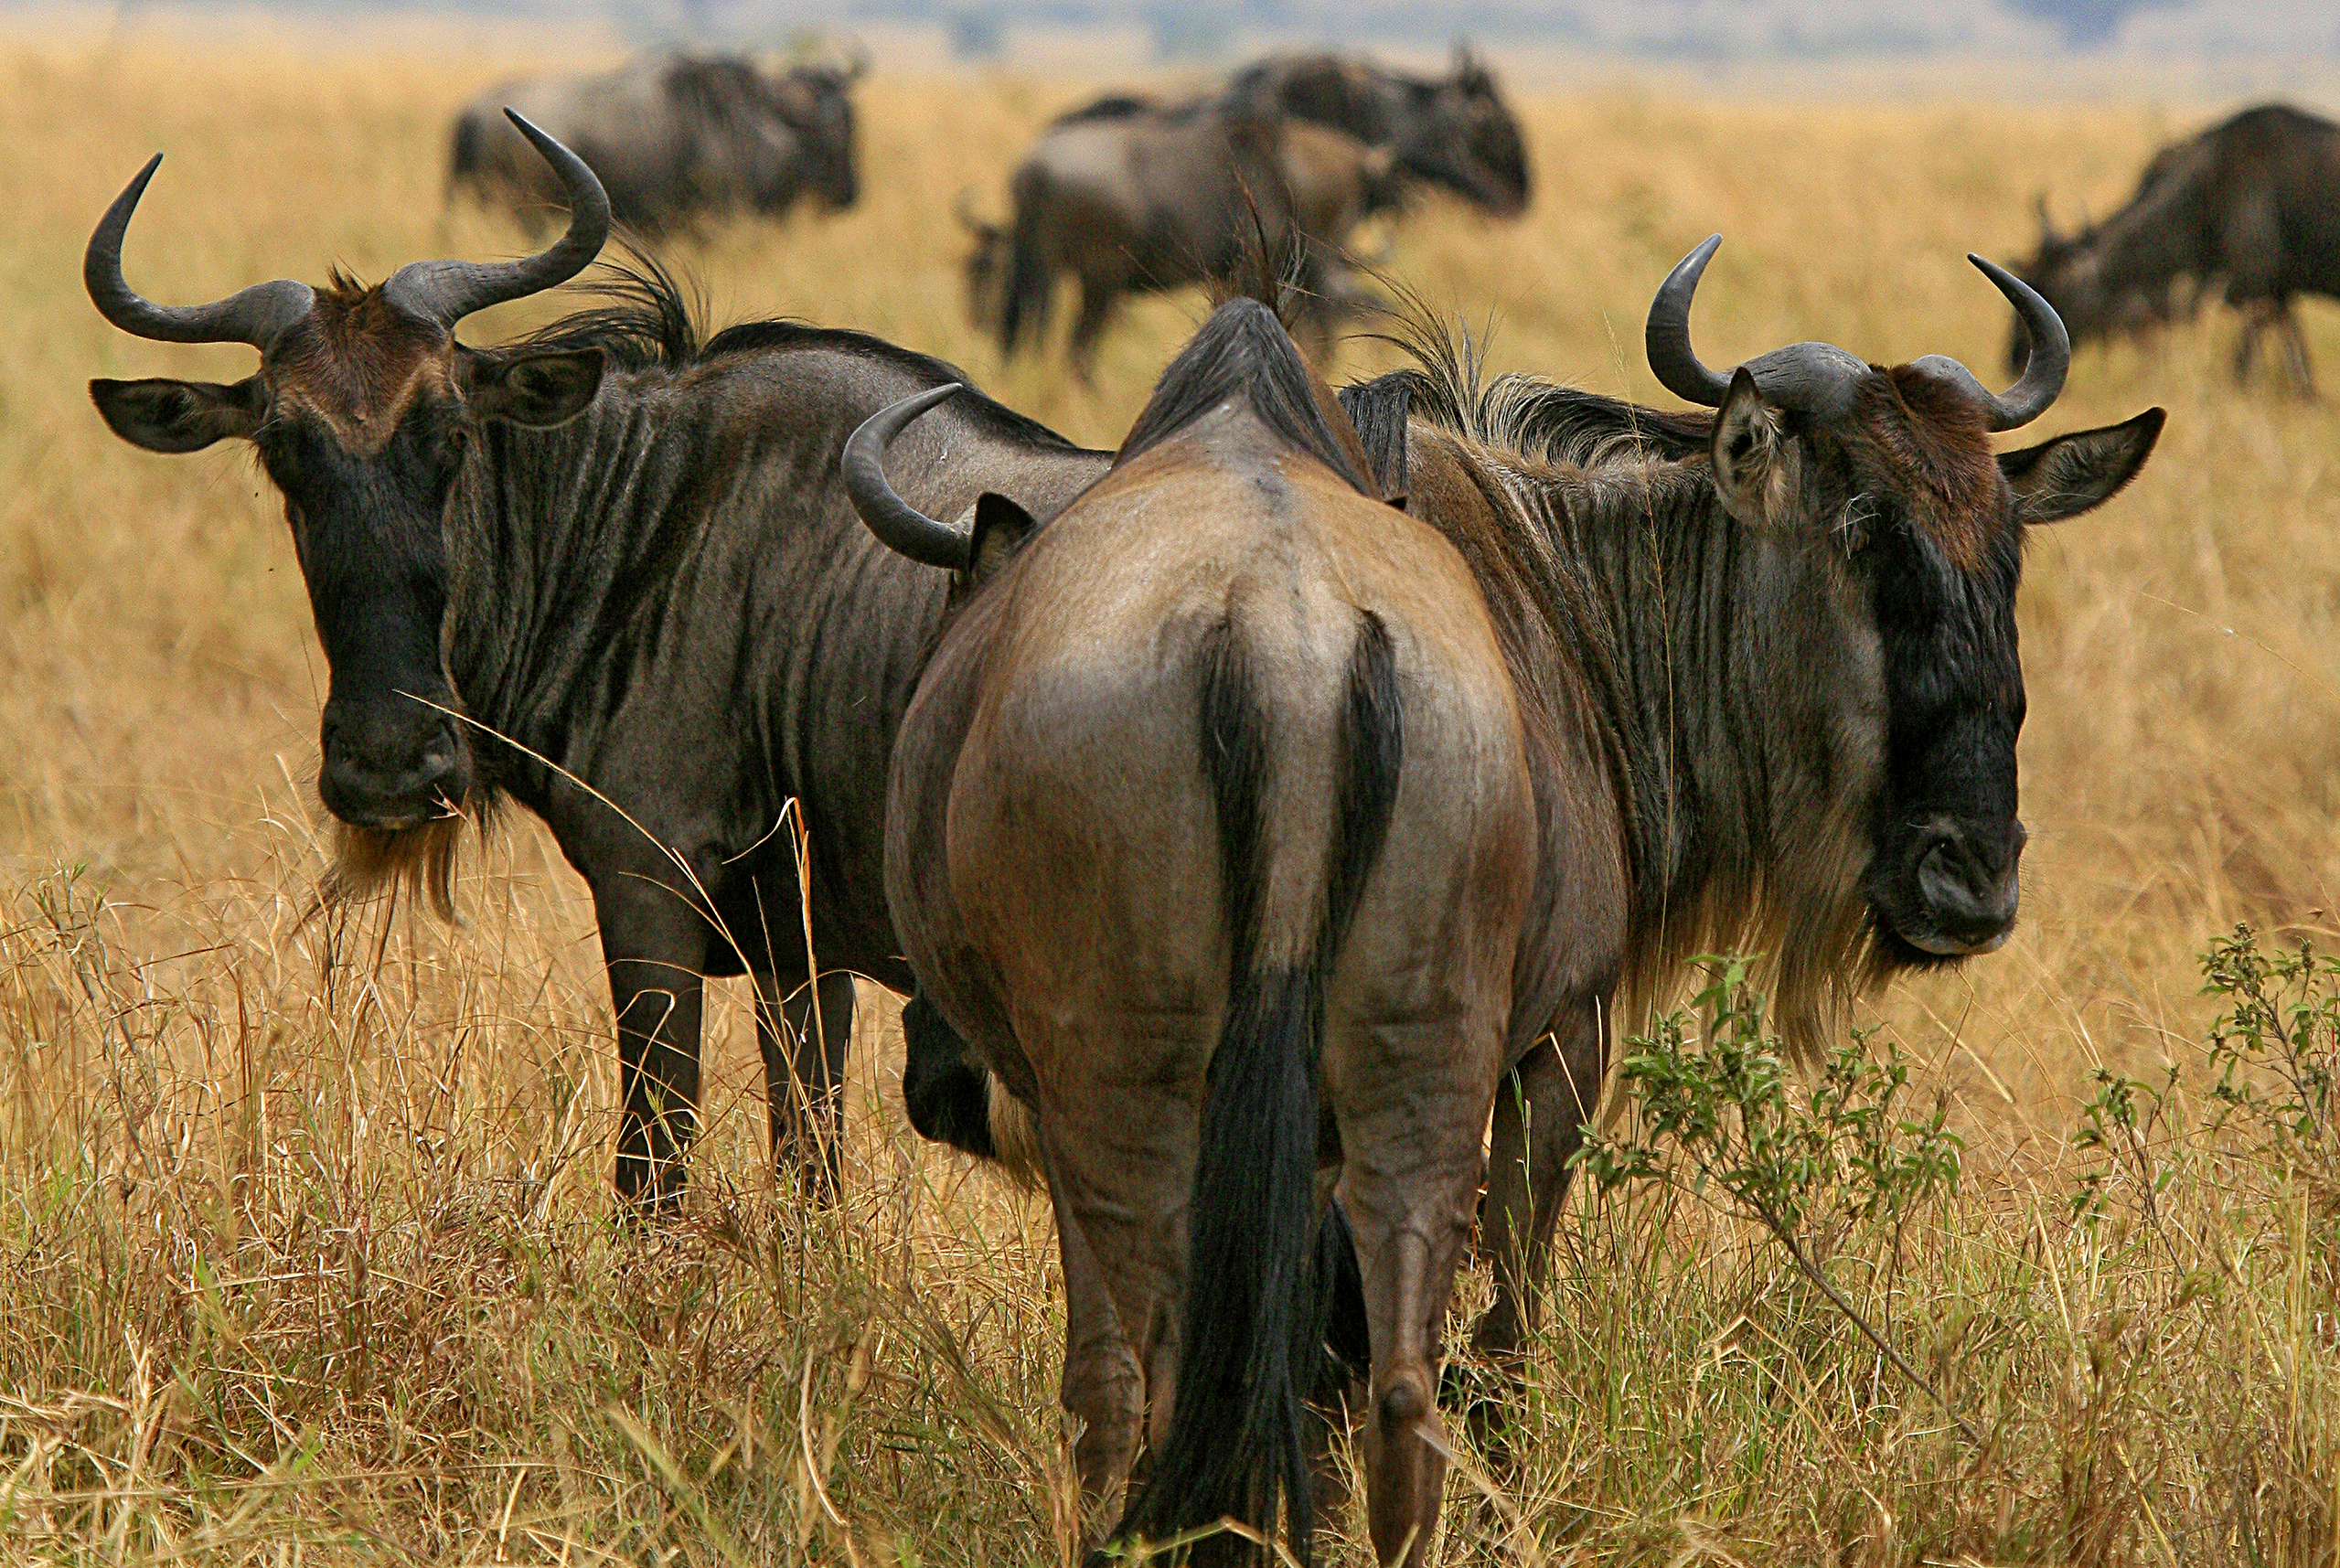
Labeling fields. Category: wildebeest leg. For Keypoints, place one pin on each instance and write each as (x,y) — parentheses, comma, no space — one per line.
(2245,347)
(1410,1120)
(1541,1108)
(804,1055)
(1102,1387)
(2295,355)
(1098,297)
(655,945)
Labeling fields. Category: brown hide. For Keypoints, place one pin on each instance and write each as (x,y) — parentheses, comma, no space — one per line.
(1054,861)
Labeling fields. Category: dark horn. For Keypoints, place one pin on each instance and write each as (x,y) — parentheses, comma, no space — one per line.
(445,292)
(1667,336)
(254,316)
(900,525)
(2043,376)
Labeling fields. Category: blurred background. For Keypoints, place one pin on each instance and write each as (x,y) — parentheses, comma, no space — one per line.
(2051,48)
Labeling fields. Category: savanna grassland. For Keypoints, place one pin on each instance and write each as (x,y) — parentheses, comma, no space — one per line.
(305,1247)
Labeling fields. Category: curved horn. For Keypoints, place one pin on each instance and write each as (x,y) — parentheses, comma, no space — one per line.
(254,316)
(444,292)
(1667,335)
(900,527)
(1810,378)
(2043,375)
(857,63)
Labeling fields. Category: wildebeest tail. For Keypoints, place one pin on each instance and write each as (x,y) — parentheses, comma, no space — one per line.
(1259,1278)
(1030,287)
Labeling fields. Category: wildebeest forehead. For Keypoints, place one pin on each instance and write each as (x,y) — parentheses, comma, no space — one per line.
(360,364)
(1927,443)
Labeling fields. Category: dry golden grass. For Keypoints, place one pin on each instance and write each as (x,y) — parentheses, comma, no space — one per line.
(305,1245)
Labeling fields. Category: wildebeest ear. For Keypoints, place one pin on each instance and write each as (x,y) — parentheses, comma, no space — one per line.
(2079,472)
(1001,525)
(178,416)
(1747,450)
(537,390)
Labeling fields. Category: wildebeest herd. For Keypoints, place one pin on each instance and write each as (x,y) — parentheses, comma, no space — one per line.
(1291,792)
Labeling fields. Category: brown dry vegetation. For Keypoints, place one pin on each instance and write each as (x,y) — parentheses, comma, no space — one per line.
(305,1250)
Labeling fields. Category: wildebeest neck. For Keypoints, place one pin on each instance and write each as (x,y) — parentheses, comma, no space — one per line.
(1727,673)
(670,597)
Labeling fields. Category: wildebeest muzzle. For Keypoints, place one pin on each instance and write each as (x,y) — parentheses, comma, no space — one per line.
(393,760)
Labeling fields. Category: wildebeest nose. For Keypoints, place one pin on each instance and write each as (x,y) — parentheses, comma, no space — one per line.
(1970,895)
(387,771)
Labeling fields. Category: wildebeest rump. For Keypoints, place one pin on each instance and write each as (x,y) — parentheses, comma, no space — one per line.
(1134,197)
(1767,694)
(1196,798)
(1452,132)
(672,136)
(2249,209)
(623,556)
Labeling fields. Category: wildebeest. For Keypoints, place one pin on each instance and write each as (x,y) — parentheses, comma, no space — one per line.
(2249,210)
(608,573)
(1129,196)
(1452,132)
(1228,793)
(672,136)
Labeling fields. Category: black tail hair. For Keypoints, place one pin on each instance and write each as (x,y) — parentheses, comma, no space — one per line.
(1032,287)
(1261,1271)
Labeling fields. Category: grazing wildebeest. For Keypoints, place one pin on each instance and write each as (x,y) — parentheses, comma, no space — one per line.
(1452,132)
(606,572)
(2249,209)
(1132,198)
(672,137)
(1226,790)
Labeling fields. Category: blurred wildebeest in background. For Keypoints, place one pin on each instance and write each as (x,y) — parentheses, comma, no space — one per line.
(672,136)
(1132,197)
(607,573)
(2249,209)
(1454,132)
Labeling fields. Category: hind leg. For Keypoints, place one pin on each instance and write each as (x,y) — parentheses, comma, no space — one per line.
(1120,1092)
(1413,1098)
(1103,1389)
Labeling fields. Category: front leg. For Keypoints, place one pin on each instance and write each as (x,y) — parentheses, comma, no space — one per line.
(806,1035)
(654,943)
(1541,1109)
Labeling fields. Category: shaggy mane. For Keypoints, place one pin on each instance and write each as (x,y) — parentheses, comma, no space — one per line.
(1592,511)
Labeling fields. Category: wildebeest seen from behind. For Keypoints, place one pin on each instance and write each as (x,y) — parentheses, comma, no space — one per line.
(608,563)
(1145,198)
(1454,132)
(672,137)
(1768,686)
(2249,209)
(1236,794)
